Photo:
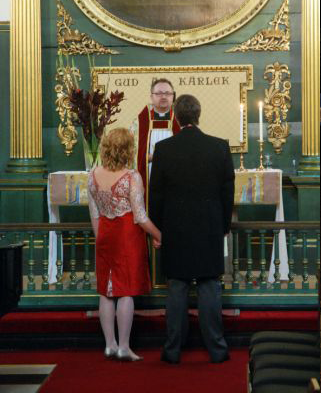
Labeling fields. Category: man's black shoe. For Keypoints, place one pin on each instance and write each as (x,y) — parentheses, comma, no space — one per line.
(221,359)
(165,358)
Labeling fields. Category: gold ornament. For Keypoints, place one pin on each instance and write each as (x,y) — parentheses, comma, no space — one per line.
(72,42)
(277,104)
(275,38)
(173,42)
(68,78)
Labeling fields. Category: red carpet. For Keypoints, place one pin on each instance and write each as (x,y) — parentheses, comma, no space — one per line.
(87,371)
(79,322)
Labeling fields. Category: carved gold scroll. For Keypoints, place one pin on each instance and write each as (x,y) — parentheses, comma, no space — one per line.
(277,104)
(67,78)
(275,38)
(72,42)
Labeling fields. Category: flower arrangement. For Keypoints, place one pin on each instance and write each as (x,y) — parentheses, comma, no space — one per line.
(93,110)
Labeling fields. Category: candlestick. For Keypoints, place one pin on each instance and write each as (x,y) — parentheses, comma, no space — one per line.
(241,123)
(261,167)
(242,168)
(261,120)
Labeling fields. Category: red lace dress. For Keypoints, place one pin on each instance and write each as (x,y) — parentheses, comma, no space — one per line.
(121,249)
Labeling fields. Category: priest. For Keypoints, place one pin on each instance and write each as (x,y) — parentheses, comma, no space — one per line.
(154,123)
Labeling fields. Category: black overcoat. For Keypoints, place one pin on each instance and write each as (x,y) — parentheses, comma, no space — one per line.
(191,201)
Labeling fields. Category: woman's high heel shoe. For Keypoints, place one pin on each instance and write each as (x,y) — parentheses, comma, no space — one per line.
(125,355)
(110,353)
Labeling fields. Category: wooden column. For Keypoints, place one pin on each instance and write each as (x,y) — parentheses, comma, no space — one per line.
(310,165)
(26,88)
(308,179)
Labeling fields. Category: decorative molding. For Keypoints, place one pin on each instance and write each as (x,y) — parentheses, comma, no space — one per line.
(277,104)
(167,39)
(275,38)
(72,42)
(67,133)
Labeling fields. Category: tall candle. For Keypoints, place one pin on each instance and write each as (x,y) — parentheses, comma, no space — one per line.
(241,122)
(261,120)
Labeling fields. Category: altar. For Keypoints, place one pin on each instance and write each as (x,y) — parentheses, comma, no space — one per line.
(69,188)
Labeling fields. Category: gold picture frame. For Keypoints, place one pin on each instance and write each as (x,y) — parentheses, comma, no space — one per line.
(208,83)
(170,40)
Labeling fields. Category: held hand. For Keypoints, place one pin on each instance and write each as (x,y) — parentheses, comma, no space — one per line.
(156,244)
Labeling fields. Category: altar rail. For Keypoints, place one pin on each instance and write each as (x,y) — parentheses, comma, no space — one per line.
(246,287)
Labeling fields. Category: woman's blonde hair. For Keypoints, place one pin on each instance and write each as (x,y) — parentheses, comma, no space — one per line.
(117,149)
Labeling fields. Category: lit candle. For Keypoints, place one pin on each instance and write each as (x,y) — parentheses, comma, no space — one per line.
(241,123)
(261,120)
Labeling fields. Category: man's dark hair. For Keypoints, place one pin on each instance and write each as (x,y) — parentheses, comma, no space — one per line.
(187,110)
(161,80)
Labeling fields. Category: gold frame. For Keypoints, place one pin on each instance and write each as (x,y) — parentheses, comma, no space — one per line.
(244,87)
(170,40)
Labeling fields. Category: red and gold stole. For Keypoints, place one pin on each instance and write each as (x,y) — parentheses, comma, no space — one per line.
(146,124)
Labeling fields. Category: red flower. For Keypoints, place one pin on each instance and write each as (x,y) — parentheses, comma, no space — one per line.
(93,111)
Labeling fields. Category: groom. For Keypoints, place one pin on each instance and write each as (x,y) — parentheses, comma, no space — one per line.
(191,202)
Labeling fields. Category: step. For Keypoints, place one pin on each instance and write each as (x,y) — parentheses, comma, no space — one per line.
(72,327)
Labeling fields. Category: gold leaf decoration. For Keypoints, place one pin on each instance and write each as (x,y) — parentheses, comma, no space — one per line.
(67,133)
(277,104)
(72,42)
(173,42)
(275,38)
